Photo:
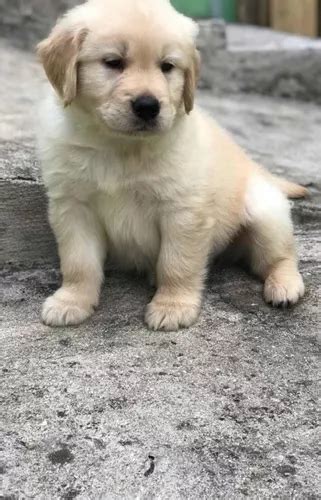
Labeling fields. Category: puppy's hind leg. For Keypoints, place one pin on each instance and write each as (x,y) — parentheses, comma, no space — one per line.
(272,247)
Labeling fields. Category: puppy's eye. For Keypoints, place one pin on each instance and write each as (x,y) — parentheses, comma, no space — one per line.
(167,67)
(115,64)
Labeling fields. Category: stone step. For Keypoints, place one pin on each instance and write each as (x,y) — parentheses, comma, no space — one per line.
(256,60)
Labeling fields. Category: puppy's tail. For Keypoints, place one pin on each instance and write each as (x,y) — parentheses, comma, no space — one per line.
(290,189)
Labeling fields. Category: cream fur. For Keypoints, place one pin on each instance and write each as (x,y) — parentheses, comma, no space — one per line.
(162,200)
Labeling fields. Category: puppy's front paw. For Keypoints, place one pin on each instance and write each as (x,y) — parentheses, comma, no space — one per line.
(65,311)
(170,315)
(285,291)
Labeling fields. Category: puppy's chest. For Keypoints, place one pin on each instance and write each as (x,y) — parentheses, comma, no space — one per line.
(129,199)
(130,218)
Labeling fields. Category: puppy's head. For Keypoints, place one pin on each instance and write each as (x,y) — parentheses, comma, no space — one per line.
(131,64)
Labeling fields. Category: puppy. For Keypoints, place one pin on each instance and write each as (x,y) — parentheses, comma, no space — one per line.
(133,170)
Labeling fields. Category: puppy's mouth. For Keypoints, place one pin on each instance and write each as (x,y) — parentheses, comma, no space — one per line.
(152,126)
(130,126)
(140,128)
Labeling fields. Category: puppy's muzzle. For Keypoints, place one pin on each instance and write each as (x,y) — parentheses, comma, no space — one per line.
(146,107)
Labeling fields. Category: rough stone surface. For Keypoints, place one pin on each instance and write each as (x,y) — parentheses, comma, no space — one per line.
(252,38)
(228,409)
(256,60)
(284,73)
(23,220)
(25,22)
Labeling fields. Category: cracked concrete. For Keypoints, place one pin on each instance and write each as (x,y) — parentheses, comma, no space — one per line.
(228,409)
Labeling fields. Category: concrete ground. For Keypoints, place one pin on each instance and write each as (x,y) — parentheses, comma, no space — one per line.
(228,409)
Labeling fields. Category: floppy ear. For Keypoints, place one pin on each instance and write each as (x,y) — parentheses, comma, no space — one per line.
(59,56)
(191,78)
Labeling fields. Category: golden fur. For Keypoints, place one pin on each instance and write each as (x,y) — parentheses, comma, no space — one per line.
(162,197)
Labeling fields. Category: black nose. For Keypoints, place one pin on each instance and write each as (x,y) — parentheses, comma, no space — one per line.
(146,107)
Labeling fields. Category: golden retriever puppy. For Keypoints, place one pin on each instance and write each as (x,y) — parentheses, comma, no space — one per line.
(133,171)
